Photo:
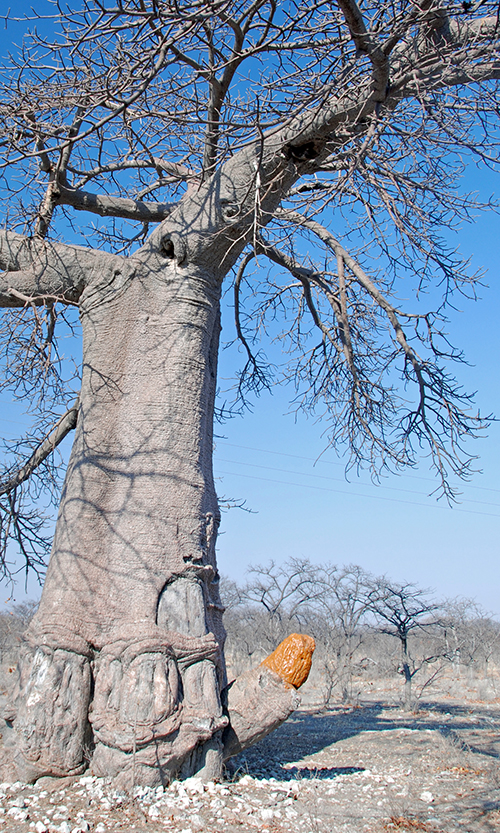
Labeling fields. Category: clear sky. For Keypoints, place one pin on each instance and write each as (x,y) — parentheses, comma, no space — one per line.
(307,509)
(302,508)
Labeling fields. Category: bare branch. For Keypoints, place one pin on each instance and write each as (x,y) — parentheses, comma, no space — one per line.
(108,206)
(254,375)
(60,430)
(366,43)
(35,269)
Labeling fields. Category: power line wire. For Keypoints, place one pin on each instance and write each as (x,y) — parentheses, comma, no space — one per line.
(334,463)
(339,480)
(356,494)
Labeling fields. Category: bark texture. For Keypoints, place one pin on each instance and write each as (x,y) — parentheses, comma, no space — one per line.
(126,647)
(123,663)
(261,699)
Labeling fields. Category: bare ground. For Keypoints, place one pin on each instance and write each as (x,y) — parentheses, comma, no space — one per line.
(372,768)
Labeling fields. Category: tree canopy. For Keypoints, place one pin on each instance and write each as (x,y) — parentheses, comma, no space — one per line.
(312,152)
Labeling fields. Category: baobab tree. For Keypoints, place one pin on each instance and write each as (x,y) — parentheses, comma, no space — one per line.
(155,152)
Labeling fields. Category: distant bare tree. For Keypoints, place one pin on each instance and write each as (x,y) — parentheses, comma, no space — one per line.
(247,633)
(471,634)
(285,593)
(401,610)
(13,623)
(345,598)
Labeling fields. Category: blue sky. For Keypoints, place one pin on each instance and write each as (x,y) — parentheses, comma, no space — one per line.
(268,458)
(302,508)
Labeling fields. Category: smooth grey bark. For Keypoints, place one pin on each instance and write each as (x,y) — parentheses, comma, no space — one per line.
(130,616)
(33,269)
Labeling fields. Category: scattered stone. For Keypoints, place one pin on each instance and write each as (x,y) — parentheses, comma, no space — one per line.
(427,797)
(376,770)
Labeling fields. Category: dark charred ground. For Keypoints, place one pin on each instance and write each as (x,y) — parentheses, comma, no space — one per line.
(373,768)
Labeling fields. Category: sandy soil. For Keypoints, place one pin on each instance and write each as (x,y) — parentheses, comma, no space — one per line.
(370,768)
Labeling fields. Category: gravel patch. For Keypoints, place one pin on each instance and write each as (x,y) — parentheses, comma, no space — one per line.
(373,768)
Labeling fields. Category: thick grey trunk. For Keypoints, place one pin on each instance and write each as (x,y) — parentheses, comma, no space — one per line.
(123,661)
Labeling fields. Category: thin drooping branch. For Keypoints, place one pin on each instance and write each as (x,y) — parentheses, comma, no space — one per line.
(306,277)
(344,257)
(438,407)
(346,329)
(254,375)
(328,238)
(54,438)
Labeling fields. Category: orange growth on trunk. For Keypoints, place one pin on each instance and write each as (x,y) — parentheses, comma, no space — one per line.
(292,658)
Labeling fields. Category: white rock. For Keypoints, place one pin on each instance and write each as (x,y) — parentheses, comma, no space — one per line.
(266,814)
(19,801)
(194,785)
(427,797)
(100,828)
(64,827)
(245,781)
(20,815)
(40,827)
